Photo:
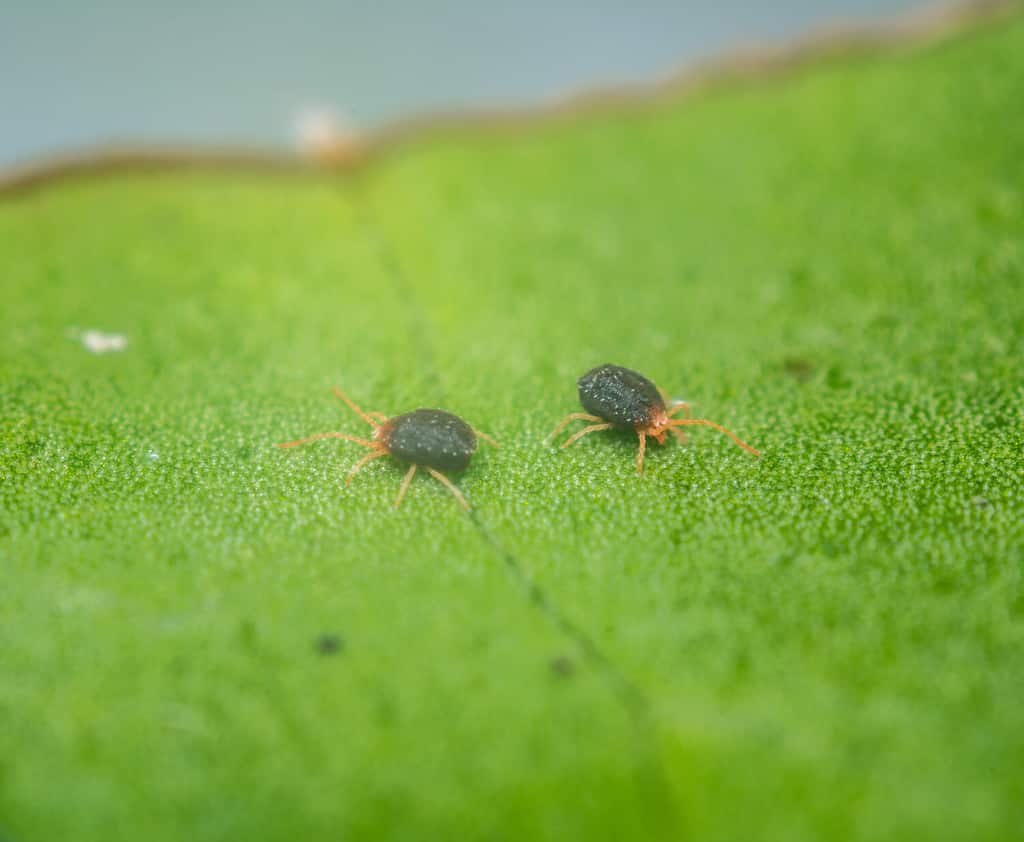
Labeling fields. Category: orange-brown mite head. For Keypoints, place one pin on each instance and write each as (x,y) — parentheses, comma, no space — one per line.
(657,425)
(382,434)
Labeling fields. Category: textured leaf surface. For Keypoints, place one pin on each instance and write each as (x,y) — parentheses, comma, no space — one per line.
(824,643)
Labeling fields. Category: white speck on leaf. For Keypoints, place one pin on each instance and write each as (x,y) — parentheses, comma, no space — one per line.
(99,342)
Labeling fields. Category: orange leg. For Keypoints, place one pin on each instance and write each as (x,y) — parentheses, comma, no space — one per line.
(640,455)
(366,416)
(576,416)
(405,485)
(593,428)
(369,457)
(682,422)
(448,484)
(380,416)
(487,439)
(319,436)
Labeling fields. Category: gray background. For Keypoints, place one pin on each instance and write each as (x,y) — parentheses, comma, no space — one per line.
(73,74)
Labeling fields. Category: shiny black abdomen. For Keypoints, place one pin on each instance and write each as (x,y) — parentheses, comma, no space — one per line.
(619,395)
(430,437)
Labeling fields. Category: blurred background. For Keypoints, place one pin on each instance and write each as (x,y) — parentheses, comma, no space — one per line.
(76,74)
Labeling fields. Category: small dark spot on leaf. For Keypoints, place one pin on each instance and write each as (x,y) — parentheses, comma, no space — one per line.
(798,368)
(247,634)
(783,559)
(741,664)
(79,460)
(800,275)
(178,665)
(835,379)
(329,644)
(885,324)
(32,446)
(562,666)
(386,710)
(980,502)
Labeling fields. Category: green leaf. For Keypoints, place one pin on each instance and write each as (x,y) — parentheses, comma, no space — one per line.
(823,643)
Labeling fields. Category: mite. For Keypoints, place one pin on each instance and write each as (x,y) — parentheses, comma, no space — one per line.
(624,399)
(424,438)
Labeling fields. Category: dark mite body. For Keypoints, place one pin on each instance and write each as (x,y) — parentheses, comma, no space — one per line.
(424,438)
(622,398)
(620,395)
(430,437)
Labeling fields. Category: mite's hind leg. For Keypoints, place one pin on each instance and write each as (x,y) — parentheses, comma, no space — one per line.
(405,485)
(378,415)
(684,422)
(450,486)
(576,416)
(319,436)
(640,455)
(369,457)
(593,428)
